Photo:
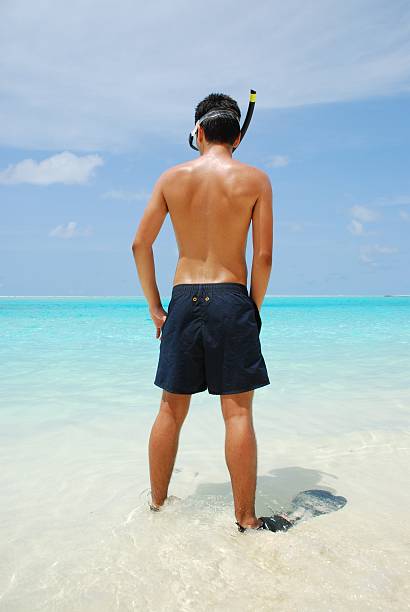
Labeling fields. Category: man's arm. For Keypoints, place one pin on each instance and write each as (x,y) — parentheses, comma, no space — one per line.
(148,229)
(262,235)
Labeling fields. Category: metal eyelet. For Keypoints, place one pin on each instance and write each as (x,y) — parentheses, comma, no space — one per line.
(194,299)
(206,298)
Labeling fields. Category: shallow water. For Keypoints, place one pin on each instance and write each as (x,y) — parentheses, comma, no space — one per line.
(78,402)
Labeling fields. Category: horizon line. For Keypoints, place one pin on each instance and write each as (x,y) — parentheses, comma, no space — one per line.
(266,296)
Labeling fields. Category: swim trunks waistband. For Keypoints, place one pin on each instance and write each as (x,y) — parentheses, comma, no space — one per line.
(193,288)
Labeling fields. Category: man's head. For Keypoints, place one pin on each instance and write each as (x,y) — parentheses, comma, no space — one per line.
(223,128)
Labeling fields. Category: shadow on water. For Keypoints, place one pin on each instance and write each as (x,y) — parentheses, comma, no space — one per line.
(292,490)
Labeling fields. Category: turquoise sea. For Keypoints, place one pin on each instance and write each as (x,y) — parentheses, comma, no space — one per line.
(77,403)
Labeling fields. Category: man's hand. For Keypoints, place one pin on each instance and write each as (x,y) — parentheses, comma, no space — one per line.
(158,316)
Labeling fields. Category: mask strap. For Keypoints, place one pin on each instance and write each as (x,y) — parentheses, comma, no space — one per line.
(215,113)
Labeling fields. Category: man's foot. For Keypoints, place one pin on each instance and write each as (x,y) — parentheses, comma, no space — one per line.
(258,525)
(169,500)
(271,523)
(154,508)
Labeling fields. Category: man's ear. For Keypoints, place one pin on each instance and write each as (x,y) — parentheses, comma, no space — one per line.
(200,133)
(237,141)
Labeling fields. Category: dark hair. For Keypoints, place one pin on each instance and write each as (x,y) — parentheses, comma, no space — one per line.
(223,129)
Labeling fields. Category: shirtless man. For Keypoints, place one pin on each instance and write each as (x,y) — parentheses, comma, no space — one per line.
(210,334)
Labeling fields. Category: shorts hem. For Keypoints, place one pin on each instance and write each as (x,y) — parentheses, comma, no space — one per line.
(240,390)
(200,390)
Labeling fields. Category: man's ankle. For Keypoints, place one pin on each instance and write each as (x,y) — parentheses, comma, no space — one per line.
(250,523)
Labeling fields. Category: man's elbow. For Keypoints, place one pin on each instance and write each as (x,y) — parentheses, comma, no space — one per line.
(264,258)
(139,245)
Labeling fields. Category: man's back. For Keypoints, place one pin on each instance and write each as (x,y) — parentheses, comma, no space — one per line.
(210,334)
(210,201)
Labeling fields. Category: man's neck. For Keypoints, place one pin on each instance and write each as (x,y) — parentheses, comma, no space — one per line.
(216,150)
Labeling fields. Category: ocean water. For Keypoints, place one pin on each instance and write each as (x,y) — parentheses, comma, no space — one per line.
(77,405)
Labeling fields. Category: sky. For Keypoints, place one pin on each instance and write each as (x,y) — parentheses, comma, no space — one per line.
(97,99)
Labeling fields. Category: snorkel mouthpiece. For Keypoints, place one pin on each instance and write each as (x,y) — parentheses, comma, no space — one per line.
(226,113)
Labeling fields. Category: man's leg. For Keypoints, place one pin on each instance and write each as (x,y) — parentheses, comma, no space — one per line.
(241,454)
(163,442)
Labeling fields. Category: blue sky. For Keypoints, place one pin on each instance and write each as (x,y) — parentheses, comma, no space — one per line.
(97,100)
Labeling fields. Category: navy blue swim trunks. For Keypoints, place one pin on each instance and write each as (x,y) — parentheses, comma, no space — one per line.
(210,340)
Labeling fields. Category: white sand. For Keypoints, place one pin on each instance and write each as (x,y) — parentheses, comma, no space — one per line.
(76,532)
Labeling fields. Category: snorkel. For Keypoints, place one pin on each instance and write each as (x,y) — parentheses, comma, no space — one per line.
(225,113)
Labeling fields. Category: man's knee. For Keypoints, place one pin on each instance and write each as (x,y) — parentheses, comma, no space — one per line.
(175,406)
(237,406)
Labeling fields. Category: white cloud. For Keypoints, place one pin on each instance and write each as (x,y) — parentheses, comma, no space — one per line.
(70,230)
(293,226)
(88,76)
(119,194)
(363,213)
(386,202)
(64,168)
(277,161)
(404,215)
(368,252)
(401,200)
(355,227)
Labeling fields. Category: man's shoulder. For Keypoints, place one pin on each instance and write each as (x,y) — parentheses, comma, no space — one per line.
(258,173)
(187,167)
(258,176)
(175,170)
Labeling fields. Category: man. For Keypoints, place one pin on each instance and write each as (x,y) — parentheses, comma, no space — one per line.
(210,337)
